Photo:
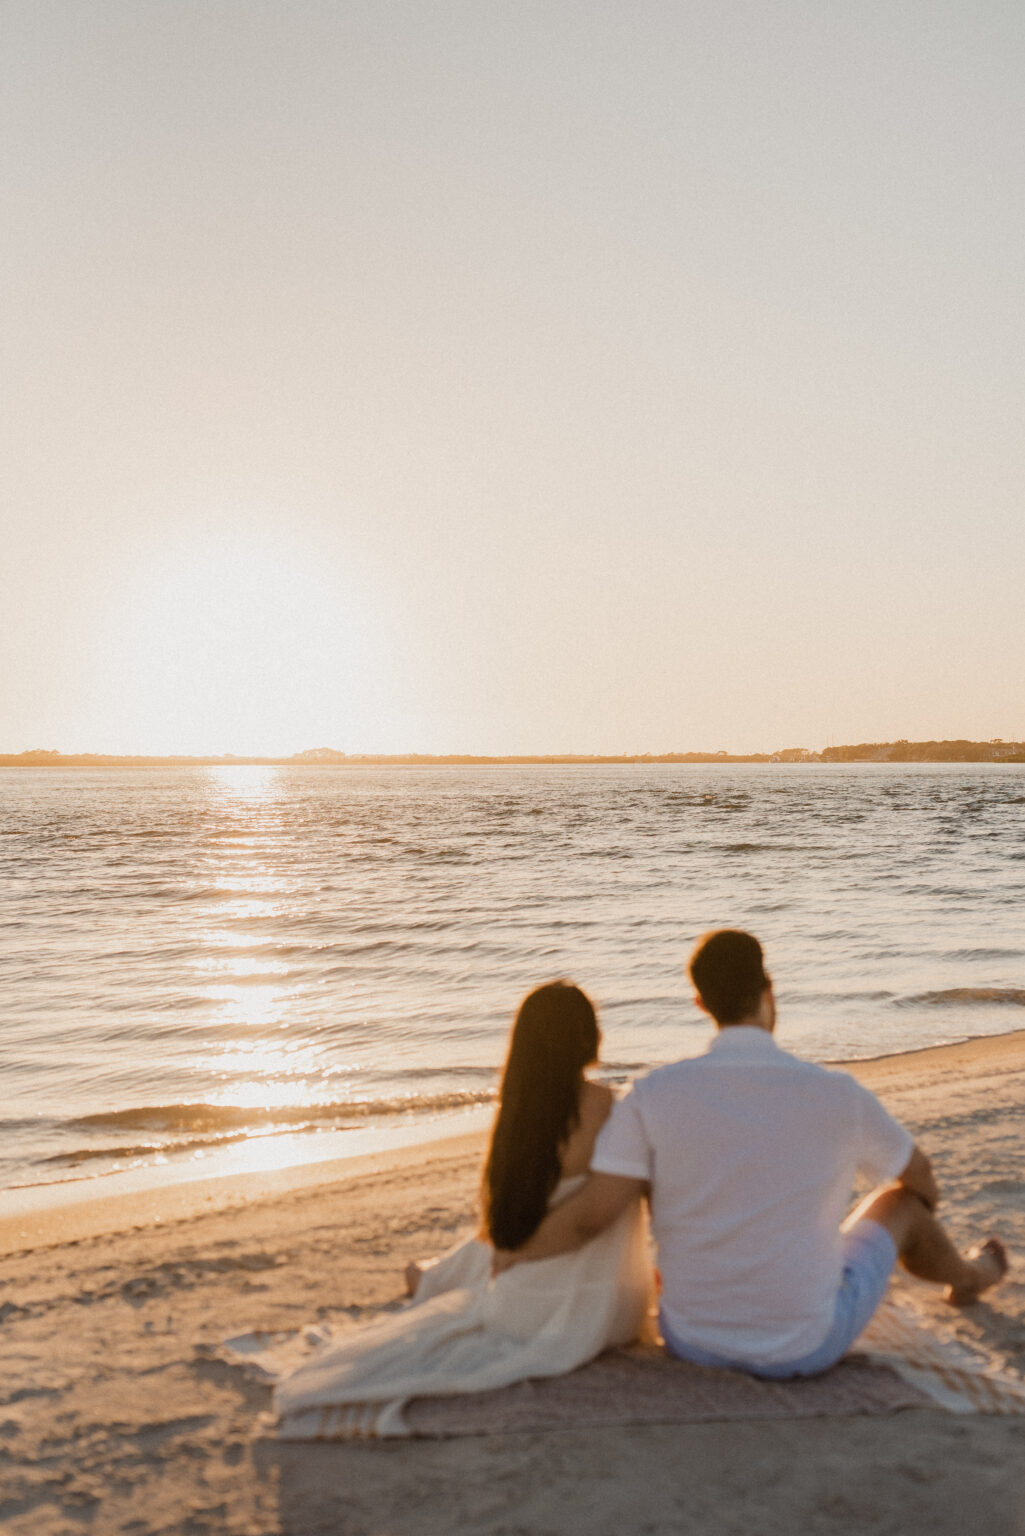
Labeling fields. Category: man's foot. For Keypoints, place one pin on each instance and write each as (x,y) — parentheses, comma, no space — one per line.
(412,1273)
(988,1264)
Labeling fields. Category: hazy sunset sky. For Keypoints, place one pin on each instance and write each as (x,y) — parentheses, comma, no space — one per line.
(511,377)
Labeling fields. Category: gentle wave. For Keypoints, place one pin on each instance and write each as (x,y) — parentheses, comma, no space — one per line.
(147,1149)
(174,1118)
(1011,996)
(983,953)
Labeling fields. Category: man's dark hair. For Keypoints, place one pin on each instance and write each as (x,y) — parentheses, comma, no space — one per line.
(728,974)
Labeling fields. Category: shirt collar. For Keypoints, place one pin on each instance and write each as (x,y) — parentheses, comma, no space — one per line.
(742,1040)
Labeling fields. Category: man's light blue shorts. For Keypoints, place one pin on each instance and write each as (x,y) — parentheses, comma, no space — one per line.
(869,1255)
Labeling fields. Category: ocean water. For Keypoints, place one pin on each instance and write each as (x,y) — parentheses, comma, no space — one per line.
(195,957)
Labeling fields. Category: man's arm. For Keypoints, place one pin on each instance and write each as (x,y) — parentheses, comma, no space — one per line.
(575,1221)
(918,1179)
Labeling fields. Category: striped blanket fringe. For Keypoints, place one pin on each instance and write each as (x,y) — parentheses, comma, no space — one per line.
(952,1374)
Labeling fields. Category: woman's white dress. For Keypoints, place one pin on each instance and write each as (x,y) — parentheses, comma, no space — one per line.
(465,1332)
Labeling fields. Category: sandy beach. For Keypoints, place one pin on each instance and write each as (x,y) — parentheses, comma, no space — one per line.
(112,1421)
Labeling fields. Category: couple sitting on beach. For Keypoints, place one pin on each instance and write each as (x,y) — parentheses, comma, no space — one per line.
(747,1158)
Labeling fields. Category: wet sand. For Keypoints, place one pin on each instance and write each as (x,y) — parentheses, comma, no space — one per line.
(111,1423)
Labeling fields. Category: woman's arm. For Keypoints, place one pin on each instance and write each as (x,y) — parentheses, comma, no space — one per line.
(575,1221)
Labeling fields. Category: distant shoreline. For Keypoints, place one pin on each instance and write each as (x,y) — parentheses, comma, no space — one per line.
(325,757)
(367,760)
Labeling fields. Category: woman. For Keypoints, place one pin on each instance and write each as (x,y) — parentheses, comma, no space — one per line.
(465,1332)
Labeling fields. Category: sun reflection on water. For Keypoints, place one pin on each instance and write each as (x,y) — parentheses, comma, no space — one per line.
(254,884)
(249,781)
(247,993)
(249,1005)
(238,966)
(239,910)
(268,1059)
(225,938)
(248,899)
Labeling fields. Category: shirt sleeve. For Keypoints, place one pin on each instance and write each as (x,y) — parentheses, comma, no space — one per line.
(884,1144)
(622,1146)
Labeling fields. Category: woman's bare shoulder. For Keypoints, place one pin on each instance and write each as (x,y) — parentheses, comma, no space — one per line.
(595,1101)
(594,1104)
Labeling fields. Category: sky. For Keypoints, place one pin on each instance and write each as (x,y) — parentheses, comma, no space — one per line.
(541,376)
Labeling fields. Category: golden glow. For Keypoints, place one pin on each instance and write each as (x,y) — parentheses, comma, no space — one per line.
(266,1057)
(235,636)
(251,1006)
(238,965)
(252,885)
(250,783)
(225,938)
(266,1154)
(267,1075)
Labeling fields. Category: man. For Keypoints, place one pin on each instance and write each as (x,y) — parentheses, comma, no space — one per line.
(749,1157)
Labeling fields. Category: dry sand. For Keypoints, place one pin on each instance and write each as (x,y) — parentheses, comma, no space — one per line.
(110,1422)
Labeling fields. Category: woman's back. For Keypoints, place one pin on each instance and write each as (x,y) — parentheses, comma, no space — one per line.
(593,1109)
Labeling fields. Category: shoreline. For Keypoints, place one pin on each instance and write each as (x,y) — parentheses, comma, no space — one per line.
(74,1211)
(43,1216)
(913,1053)
(264,1151)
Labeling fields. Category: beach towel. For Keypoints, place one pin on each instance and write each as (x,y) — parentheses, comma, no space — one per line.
(899,1364)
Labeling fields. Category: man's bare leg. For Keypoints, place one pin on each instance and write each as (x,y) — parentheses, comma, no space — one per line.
(925,1250)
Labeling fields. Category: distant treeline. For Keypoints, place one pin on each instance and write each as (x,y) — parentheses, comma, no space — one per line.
(864,752)
(927,752)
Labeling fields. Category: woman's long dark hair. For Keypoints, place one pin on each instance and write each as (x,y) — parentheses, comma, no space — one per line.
(554,1038)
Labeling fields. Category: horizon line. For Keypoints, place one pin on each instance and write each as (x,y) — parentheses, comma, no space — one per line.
(957,749)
